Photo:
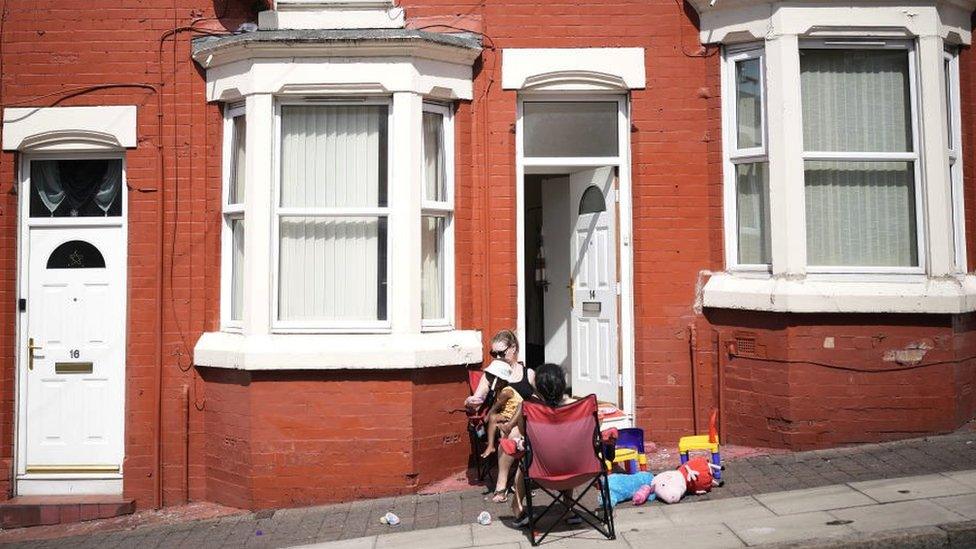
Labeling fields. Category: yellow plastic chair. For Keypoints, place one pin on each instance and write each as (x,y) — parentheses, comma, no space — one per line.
(625,455)
(707,442)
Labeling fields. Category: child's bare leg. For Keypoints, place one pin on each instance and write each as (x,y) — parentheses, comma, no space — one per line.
(492,432)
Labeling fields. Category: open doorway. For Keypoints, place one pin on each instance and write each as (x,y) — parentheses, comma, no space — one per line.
(571,273)
(574,230)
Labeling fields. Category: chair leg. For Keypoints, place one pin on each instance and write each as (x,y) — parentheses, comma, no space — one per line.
(717,460)
(607,508)
(528,509)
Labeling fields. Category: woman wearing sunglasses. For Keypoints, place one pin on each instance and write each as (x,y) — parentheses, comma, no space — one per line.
(505,347)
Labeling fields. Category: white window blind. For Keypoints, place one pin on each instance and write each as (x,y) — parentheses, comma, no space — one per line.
(859,157)
(234,215)
(333,213)
(436,217)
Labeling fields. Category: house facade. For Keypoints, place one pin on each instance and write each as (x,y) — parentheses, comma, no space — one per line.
(251,249)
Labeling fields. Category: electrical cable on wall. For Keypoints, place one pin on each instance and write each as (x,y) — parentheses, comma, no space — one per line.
(840,367)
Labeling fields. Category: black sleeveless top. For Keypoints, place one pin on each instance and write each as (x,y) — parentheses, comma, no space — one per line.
(522,386)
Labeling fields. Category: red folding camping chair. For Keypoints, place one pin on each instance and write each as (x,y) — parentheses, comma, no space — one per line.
(564,451)
(478,425)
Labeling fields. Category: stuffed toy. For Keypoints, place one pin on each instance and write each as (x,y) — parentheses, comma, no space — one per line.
(698,474)
(669,486)
(623,487)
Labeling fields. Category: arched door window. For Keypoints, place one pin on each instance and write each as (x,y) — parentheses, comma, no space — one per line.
(592,201)
(76,254)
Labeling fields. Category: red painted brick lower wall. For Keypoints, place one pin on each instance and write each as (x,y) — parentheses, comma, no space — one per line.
(287,439)
(813,381)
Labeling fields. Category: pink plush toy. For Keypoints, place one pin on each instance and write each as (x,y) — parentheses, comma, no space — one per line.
(642,493)
(669,486)
(698,475)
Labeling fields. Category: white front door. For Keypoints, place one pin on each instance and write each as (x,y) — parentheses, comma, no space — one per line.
(72,366)
(593,271)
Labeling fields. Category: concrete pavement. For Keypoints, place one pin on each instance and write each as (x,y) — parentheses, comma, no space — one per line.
(888,512)
(749,476)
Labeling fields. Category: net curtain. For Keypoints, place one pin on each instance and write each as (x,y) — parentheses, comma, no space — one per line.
(77,182)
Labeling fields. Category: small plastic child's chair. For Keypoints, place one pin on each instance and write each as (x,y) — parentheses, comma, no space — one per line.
(633,437)
(703,442)
(627,456)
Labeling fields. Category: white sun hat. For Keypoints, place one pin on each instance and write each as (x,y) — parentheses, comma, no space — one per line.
(499,369)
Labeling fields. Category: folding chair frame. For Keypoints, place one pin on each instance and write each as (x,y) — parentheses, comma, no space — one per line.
(605,526)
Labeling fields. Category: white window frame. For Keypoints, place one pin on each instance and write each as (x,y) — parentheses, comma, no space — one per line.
(445,210)
(733,155)
(915,156)
(229,213)
(278,212)
(950,58)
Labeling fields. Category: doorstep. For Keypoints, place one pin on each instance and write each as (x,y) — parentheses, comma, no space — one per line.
(24,511)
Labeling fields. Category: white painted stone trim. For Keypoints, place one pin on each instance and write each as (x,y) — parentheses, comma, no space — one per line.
(736,21)
(943,295)
(573,69)
(303,17)
(337,351)
(339,76)
(40,129)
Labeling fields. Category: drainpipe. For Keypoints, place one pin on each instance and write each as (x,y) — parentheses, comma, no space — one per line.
(693,357)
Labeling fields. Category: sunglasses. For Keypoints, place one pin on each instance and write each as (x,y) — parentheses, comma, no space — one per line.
(497,354)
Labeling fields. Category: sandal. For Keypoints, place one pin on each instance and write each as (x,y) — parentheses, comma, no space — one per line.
(498,496)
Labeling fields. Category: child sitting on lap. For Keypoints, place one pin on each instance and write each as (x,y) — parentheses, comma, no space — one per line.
(502,412)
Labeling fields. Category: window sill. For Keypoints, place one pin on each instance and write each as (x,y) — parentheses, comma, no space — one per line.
(865,294)
(337,351)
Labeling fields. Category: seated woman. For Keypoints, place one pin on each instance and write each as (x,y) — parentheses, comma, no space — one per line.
(550,382)
(505,347)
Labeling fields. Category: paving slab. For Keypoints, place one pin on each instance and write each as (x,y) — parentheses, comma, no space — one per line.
(358,543)
(640,518)
(813,499)
(788,528)
(578,539)
(903,489)
(496,533)
(710,512)
(903,514)
(966,477)
(704,536)
(451,537)
(964,505)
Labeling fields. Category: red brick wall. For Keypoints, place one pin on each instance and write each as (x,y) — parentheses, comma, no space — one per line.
(227,448)
(815,381)
(289,439)
(51,51)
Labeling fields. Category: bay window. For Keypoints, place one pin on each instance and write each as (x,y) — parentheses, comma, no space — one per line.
(842,157)
(346,259)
